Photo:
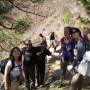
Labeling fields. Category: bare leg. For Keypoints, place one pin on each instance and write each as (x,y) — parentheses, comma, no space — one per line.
(63,72)
(76,82)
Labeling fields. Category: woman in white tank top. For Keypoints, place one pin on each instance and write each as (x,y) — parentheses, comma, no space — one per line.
(11,77)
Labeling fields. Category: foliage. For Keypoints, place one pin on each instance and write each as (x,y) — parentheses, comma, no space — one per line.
(1,18)
(84,21)
(8,39)
(86,3)
(20,25)
(66,16)
(5,6)
(2,5)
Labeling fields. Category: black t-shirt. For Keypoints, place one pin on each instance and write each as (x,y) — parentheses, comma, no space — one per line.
(30,56)
(42,55)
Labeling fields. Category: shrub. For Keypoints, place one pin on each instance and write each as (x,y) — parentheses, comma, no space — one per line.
(2,5)
(66,16)
(20,26)
(86,3)
(1,18)
(9,39)
(5,6)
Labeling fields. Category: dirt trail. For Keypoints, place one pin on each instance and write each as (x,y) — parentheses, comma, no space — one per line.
(45,26)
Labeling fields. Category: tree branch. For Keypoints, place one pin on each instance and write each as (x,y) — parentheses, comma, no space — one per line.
(6,26)
(26,11)
(3,48)
(9,19)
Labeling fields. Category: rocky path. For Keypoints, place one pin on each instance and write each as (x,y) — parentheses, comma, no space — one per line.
(53,74)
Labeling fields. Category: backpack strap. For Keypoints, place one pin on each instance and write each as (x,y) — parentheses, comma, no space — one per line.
(13,65)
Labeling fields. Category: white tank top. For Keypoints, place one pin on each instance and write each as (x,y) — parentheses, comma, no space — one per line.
(15,72)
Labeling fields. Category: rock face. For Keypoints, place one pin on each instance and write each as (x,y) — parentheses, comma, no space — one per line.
(59,13)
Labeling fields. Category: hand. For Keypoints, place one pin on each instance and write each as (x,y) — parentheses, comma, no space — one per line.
(7,88)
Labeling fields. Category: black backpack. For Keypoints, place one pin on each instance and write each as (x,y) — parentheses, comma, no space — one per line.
(3,65)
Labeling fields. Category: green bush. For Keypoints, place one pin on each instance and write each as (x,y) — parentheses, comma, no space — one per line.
(2,5)
(20,26)
(5,6)
(9,38)
(66,16)
(86,3)
(1,18)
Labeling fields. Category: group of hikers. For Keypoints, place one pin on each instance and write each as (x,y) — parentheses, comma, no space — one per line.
(28,64)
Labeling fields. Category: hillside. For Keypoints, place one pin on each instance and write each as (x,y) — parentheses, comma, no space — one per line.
(27,19)
(30,19)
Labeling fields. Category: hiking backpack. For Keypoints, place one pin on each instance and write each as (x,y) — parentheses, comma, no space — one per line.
(3,65)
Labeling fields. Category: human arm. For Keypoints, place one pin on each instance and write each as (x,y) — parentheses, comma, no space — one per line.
(6,76)
(23,54)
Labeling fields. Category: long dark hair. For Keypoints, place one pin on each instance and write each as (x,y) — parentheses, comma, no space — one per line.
(11,54)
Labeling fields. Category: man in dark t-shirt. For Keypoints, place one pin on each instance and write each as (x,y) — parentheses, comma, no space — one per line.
(29,56)
(40,65)
(29,60)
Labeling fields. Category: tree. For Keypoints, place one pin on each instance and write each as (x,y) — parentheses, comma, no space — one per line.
(7,5)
